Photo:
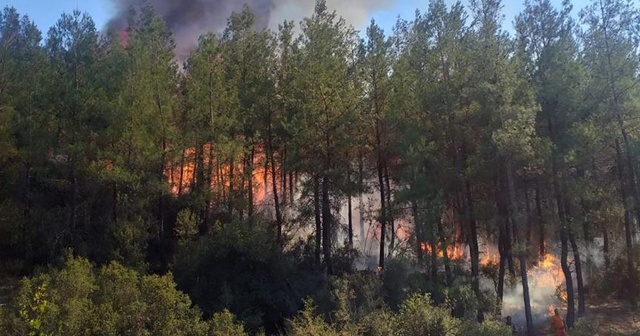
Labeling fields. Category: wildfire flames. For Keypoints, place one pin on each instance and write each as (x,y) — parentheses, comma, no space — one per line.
(182,175)
(454,252)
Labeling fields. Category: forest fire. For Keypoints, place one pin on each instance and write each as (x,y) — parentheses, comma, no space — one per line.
(454,252)
(124,37)
(182,175)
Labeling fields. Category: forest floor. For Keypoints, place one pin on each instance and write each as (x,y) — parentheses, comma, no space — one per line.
(615,318)
(610,318)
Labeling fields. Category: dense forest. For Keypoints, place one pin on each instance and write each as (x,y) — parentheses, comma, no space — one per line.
(318,180)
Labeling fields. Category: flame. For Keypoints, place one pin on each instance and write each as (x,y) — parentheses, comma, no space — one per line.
(454,252)
(124,37)
(181,174)
(489,258)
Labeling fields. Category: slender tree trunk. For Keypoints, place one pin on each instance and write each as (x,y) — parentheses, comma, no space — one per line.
(502,240)
(541,238)
(231,196)
(363,236)
(529,228)
(349,213)
(326,225)
(522,256)
(465,188)
(473,246)
(564,234)
(390,218)
(292,186)
(419,235)
(383,198)
(579,280)
(383,214)
(501,267)
(605,247)
(627,228)
(283,177)
(181,178)
(433,254)
(445,254)
(564,237)
(250,180)
(274,180)
(316,205)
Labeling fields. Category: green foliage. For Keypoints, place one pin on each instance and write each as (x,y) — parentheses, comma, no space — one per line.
(109,150)
(80,299)
(418,316)
(308,323)
(223,323)
(241,267)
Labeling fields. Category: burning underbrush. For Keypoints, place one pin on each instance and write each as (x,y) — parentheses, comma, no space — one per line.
(546,289)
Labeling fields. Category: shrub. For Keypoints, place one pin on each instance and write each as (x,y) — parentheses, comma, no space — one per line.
(80,299)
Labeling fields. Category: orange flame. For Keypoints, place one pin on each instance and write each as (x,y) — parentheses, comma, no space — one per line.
(454,252)
(182,174)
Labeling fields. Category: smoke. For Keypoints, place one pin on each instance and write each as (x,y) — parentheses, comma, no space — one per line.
(189,19)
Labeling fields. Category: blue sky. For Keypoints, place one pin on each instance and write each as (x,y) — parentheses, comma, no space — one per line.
(45,13)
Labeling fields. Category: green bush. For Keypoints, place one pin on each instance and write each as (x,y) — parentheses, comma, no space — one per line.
(223,323)
(418,316)
(241,267)
(80,299)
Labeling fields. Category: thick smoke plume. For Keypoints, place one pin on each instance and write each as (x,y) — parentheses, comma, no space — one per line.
(188,19)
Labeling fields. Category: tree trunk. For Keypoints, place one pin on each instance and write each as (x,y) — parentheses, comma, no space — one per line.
(564,237)
(501,267)
(326,225)
(473,246)
(390,219)
(249,175)
(502,240)
(419,235)
(445,254)
(274,185)
(627,228)
(541,238)
(283,176)
(231,185)
(579,280)
(361,202)
(522,256)
(605,246)
(316,205)
(349,213)
(292,186)
(383,213)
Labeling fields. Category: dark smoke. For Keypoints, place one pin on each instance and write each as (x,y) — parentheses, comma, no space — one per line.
(188,19)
